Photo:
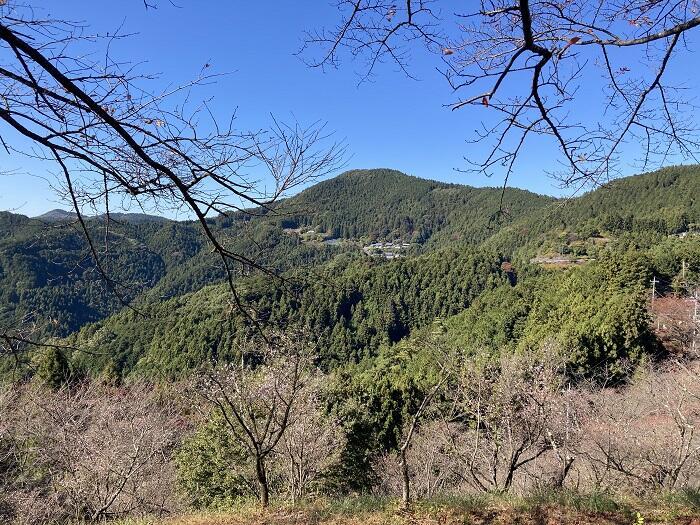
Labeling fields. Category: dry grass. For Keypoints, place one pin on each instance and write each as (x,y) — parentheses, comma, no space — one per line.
(590,510)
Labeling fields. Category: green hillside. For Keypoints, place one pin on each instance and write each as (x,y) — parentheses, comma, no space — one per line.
(384,203)
(46,269)
(646,207)
(352,306)
(319,240)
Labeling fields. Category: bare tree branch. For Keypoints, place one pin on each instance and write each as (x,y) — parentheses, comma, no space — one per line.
(530,63)
(111,137)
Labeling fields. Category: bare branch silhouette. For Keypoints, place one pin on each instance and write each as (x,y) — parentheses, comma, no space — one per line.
(111,138)
(529,64)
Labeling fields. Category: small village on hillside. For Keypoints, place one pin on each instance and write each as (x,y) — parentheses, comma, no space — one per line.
(385,249)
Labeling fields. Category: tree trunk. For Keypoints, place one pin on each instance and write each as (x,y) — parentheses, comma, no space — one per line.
(405,480)
(262,481)
(563,473)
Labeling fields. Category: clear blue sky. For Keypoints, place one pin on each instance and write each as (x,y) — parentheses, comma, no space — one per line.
(391,122)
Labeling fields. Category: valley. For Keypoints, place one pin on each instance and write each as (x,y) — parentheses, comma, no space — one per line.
(389,288)
(299,263)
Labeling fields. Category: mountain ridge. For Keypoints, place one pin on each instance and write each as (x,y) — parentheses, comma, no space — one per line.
(60,215)
(48,270)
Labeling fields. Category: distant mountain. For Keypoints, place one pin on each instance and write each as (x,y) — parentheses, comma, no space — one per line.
(136,218)
(385,204)
(59,215)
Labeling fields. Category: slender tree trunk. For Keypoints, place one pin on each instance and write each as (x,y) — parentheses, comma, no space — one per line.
(564,472)
(405,479)
(403,460)
(262,481)
(293,471)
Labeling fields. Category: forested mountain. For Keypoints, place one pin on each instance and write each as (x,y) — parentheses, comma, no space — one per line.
(648,206)
(460,243)
(46,268)
(383,203)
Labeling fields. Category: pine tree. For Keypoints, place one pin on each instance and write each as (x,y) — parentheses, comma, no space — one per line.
(53,369)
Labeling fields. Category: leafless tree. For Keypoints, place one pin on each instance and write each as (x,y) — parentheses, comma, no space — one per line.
(432,464)
(434,390)
(644,437)
(507,415)
(568,411)
(9,457)
(112,139)
(407,439)
(15,339)
(92,453)
(430,380)
(261,396)
(311,445)
(532,65)
(504,417)
(19,337)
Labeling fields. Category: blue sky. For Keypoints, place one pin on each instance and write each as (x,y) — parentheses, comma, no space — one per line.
(391,122)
